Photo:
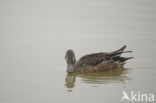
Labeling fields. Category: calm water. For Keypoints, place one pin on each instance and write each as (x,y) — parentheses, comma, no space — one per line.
(35,34)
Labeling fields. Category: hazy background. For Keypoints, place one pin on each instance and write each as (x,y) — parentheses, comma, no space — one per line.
(35,34)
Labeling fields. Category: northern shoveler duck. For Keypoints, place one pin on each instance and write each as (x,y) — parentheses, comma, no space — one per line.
(96,61)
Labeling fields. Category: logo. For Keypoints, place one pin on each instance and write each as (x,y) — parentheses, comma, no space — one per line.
(137,96)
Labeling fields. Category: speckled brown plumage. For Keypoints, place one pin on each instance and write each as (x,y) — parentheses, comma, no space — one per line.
(96,61)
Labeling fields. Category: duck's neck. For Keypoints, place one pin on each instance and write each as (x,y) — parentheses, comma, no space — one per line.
(70,68)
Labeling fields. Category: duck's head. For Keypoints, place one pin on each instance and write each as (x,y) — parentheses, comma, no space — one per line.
(70,59)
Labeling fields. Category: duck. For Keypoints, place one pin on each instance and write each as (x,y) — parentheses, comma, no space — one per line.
(96,62)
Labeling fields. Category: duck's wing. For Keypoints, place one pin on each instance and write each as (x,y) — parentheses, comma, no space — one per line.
(93,59)
(97,58)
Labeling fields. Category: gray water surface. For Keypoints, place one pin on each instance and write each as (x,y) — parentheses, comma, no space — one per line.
(35,34)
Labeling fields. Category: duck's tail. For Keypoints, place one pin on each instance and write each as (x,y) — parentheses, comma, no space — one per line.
(121,49)
(116,55)
(121,59)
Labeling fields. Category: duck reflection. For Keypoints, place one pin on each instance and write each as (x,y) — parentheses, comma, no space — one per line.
(110,76)
(70,80)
